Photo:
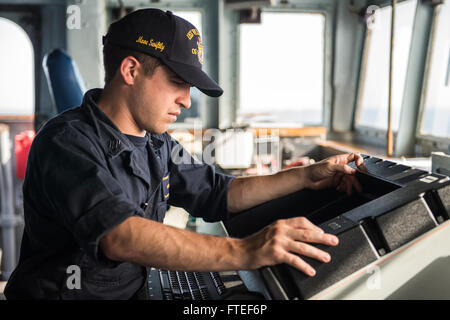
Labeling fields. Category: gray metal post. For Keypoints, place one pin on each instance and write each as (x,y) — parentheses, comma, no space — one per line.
(8,219)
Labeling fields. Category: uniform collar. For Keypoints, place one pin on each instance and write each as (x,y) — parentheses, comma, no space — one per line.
(114,141)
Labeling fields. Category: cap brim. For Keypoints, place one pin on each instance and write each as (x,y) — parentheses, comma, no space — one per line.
(195,77)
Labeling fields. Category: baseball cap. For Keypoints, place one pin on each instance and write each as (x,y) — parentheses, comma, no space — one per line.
(173,40)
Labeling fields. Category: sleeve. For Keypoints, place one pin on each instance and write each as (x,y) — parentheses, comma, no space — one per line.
(86,199)
(196,186)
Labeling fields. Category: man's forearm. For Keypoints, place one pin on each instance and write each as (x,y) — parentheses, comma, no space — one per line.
(247,192)
(150,243)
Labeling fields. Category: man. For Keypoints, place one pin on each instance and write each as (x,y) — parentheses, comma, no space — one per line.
(100,177)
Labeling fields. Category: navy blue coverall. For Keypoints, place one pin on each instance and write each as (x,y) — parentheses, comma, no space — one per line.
(84,177)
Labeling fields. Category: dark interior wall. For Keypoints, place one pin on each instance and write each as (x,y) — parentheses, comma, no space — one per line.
(53,36)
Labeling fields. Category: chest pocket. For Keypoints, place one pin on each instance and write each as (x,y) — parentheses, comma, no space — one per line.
(165,187)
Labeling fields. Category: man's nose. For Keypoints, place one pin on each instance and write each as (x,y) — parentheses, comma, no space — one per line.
(185,98)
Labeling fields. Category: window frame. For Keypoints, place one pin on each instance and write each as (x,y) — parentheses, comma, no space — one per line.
(36,22)
(367,134)
(33,87)
(423,144)
(428,142)
(327,11)
(270,10)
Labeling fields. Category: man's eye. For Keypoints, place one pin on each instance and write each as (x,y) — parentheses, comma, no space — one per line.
(178,82)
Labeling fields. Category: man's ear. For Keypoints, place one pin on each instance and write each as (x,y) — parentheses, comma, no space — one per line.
(128,69)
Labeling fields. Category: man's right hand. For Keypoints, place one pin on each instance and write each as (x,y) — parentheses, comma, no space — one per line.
(283,240)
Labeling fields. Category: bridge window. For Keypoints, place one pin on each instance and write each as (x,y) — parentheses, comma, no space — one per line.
(17,69)
(281,69)
(436,115)
(373,106)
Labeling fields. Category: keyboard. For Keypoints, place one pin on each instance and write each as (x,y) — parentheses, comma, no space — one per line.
(189,285)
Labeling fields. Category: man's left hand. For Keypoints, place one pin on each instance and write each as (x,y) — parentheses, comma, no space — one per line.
(335,172)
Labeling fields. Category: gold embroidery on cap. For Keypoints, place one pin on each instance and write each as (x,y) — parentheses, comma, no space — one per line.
(141,40)
(200,50)
(157,45)
(191,33)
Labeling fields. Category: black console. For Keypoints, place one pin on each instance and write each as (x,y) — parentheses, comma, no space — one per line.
(398,204)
